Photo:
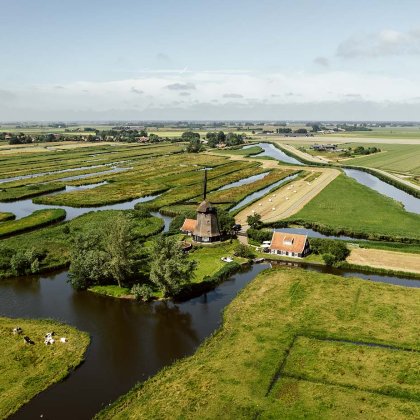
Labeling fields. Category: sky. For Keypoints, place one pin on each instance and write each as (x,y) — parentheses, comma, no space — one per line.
(98,60)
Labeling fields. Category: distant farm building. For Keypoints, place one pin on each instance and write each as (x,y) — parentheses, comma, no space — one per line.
(288,244)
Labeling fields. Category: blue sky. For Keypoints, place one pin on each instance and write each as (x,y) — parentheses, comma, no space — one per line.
(102,59)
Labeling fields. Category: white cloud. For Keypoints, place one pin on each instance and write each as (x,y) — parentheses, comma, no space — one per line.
(322,61)
(257,92)
(384,43)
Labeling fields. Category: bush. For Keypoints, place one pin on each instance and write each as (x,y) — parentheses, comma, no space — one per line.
(332,251)
(329,259)
(244,251)
(260,235)
(26,262)
(142,292)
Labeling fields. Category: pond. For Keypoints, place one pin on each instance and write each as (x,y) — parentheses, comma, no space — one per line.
(410,202)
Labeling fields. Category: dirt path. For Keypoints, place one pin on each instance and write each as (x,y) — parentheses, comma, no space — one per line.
(399,261)
(397,178)
(289,199)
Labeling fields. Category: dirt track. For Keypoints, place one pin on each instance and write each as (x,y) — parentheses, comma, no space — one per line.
(289,199)
(399,261)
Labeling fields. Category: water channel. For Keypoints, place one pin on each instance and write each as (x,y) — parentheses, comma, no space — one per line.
(410,202)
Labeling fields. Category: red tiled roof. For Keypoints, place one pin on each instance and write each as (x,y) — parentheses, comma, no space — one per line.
(189,225)
(282,241)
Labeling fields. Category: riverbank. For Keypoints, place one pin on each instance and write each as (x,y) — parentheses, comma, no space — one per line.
(28,369)
(250,366)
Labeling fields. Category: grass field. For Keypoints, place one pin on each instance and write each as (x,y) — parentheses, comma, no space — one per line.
(279,354)
(399,158)
(36,220)
(347,206)
(209,259)
(26,370)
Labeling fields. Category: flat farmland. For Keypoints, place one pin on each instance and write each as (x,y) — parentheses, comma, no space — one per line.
(347,207)
(296,344)
(403,159)
(390,260)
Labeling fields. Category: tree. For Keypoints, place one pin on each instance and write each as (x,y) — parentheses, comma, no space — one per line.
(170,267)
(118,247)
(221,137)
(102,256)
(190,135)
(226,221)
(254,221)
(194,146)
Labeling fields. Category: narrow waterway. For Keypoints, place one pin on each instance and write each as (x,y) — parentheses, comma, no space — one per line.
(410,202)
(130,341)
(314,234)
(244,181)
(272,151)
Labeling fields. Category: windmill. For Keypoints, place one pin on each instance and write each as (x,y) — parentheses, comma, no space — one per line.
(207,227)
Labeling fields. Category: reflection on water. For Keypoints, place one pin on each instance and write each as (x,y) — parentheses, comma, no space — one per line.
(272,151)
(244,181)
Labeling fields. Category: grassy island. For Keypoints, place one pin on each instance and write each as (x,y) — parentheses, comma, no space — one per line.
(28,369)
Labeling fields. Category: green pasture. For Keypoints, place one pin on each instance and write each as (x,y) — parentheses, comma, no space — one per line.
(268,359)
(35,220)
(27,369)
(347,206)
(399,158)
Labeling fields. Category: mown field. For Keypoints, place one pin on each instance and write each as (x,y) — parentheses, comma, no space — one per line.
(296,344)
(351,208)
(400,158)
(25,369)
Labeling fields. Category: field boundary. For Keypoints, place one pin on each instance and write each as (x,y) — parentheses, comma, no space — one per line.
(280,373)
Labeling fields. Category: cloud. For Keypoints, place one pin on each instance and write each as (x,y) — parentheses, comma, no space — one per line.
(261,92)
(136,91)
(181,86)
(233,95)
(322,61)
(379,44)
(59,87)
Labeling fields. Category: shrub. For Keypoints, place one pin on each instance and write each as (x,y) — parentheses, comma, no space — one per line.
(142,292)
(244,251)
(260,235)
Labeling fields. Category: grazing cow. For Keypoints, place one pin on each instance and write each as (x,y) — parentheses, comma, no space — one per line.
(27,340)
